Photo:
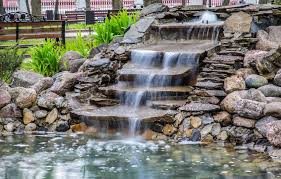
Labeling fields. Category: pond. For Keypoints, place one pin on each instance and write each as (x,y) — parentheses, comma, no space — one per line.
(81,156)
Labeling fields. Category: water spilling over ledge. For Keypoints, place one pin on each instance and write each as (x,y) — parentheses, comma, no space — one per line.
(156,73)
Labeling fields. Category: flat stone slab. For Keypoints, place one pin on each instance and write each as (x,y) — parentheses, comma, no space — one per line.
(148,92)
(187,47)
(132,72)
(200,107)
(166,104)
(122,113)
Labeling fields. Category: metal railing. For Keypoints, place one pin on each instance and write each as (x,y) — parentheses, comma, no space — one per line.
(72,5)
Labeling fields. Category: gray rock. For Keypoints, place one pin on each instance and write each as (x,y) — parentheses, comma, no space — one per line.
(255,95)
(62,126)
(223,117)
(237,102)
(5,98)
(238,22)
(273,99)
(25,78)
(10,111)
(49,100)
(273,133)
(154,8)
(273,109)
(197,107)
(10,127)
(277,78)
(41,114)
(69,56)
(206,130)
(269,64)
(252,56)
(43,84)
(73,65)
(137,31)
(64,82)
(30,127)
(196,135)
(262,125)
(26,98)
(271,90)
(255,81)
(216,129)
(263,42)
(244,122)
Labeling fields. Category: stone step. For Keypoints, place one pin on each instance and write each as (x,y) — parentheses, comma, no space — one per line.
(209,85)
(213,74)
(119,113)
(166,104)
(156,76)
(224,59)
(122,91)
(229,72)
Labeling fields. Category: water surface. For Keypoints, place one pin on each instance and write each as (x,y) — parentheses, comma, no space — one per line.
(79,156)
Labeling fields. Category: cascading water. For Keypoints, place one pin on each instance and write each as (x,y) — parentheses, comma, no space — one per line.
(156,73)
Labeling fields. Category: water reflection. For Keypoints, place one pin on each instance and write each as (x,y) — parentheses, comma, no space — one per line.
(78,156)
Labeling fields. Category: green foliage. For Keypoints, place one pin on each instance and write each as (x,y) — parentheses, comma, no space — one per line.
(80,45)
(44,59)
(10,60)
(79,26)
(115,26)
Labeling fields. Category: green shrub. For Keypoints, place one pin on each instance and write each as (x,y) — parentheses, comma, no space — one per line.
(10,60)
(44,59)
(115,26)
(80,45)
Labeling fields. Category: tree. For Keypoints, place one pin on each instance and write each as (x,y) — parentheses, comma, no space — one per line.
(148,2)
(27,6)
(88,5)
(36,7)
(117,4)
(2,10)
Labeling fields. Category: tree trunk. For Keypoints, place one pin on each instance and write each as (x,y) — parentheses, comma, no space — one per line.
(88,5)
(56,10)
(36,7)
(117,4)
(2,10)
(148,2)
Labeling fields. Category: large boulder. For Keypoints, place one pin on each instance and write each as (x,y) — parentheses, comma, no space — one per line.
(50,100)
(137,30)
(273,109)
(244,104)
(68,57)
(24,97)
(5,98)
(154,8)
(271,90)
(255,81)
(244,122)
(234,83)
(277,78)
(269,39)
(238,22)
(252,56)
(273,133)
(43,84)
(263,124)
(269,64)
(25,78)
(10,111)
(64,82)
